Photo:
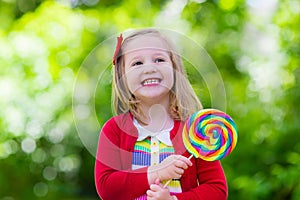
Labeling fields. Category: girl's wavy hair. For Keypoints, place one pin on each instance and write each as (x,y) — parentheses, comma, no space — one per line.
(183,100)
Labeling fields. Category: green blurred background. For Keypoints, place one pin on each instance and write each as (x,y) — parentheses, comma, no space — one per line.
(255,45)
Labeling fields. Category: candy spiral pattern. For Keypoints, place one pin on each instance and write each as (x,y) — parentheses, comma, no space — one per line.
(210,134)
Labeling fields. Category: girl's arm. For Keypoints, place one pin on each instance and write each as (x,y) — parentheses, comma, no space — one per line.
(212,182)
(112,179)
(119,185)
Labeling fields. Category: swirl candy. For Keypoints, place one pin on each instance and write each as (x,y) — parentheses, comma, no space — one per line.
(210,134)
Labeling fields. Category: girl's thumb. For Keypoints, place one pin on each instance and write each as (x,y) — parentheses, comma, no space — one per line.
(157,181)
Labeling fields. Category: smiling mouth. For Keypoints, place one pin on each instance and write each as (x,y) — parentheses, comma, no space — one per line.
(153,81)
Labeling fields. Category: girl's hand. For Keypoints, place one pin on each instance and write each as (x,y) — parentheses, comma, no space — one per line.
(157,192)
(171,168)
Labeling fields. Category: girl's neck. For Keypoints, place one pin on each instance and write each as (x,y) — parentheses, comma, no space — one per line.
(156,117)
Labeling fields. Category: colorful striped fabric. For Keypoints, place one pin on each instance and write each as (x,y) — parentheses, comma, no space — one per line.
(142,153)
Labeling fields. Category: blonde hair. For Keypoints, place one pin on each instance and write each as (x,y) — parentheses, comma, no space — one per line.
(183,100)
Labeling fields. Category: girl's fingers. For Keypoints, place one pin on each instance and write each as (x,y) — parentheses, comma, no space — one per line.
(155,187)
(179,171)
(172,167)
(185,160)
(150,193)
(181,164)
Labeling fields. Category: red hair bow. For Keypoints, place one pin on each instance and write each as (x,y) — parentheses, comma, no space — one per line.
(118,47)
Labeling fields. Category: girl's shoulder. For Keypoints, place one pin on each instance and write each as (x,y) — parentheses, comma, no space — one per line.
(121,124)
(122,120)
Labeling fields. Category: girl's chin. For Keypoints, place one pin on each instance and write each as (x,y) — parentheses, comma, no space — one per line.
(152,95)
(151,91)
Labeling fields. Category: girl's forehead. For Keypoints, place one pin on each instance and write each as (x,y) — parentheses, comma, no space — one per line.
(145,42)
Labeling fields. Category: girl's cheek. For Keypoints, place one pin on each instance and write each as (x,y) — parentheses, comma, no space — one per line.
(168,69)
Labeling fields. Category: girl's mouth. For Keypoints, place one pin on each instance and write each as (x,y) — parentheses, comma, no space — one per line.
(152,81)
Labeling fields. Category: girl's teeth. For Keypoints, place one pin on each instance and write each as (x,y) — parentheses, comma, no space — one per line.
(151,81)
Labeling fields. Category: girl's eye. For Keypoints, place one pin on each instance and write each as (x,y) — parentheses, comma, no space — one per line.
(158,60)
(137,63)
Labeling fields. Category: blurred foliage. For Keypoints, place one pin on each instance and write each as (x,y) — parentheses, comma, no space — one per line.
(255,45)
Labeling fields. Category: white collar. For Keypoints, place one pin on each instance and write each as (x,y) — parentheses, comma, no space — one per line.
(163,135)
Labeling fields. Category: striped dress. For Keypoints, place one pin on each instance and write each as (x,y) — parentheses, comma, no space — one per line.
(151,149)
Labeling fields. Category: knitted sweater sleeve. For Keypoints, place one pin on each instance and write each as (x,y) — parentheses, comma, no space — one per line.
(113,179)
(211,182)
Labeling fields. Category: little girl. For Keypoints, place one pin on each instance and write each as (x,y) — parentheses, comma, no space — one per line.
(141,148)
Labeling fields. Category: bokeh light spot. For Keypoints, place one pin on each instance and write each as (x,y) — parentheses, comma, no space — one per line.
(40,189)
(28,145)
(49,173)
(39,155)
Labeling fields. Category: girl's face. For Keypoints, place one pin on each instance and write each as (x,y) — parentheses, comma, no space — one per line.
(148,68)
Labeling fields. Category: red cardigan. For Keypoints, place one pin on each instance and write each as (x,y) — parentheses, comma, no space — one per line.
(115,180)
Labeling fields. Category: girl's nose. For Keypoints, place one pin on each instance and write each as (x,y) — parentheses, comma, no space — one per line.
(149,69)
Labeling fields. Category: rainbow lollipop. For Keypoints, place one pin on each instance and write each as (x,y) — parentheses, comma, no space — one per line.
(210,134)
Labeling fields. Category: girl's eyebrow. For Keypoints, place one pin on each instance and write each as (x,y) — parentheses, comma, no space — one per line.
(135,58)
(161,53)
